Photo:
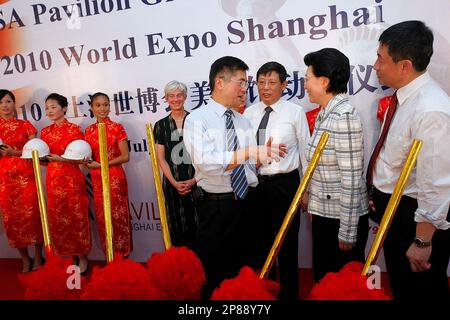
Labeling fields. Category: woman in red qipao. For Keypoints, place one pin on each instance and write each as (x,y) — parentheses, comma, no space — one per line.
(18,197)
(66,188)
(118,154)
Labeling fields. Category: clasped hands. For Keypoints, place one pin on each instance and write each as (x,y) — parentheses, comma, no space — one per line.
(184,187)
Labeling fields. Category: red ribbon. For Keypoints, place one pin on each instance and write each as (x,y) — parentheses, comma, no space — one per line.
(311,116)
(383,105)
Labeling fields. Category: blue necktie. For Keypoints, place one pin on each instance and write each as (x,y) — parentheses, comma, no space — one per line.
(238,179)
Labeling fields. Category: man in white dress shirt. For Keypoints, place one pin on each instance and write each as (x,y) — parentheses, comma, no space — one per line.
(224,153)
(417,245)
(281,121)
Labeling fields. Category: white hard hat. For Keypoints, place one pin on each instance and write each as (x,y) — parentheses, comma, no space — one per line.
(35,144)
(78,150)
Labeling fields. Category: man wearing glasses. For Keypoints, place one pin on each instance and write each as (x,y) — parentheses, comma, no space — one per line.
(285,121)
(224,154)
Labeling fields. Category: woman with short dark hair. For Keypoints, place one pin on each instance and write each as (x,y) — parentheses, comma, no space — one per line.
(337,192)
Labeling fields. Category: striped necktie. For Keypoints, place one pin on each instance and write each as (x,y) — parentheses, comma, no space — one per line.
(238,179)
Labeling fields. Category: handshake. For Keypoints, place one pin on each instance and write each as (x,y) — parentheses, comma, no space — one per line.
(266,154)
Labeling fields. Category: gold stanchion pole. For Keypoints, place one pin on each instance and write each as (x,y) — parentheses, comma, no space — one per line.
(106,191)
(41,198)
(294,206)
(392,205)
(158,186)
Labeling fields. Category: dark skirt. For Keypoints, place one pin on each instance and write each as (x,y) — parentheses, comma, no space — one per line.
(181,216)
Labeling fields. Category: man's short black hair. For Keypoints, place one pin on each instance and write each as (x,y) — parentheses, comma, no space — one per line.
(333,64)
(271,66)
(223,65)
(409,40)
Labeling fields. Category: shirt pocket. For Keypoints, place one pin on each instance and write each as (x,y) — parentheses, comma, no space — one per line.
(396,149)
(283,132)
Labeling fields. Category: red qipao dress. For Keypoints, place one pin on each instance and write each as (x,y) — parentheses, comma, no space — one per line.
(120,216)
(68,214)
(18,196)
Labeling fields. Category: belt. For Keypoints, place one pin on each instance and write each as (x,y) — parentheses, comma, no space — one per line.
(270,177)
(226,195)
(220,196)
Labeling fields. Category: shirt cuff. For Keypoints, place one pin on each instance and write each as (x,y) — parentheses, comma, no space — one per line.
(423,216)
(347,238)
(348,234)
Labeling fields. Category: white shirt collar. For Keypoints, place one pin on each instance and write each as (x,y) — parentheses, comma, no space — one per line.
(218,108)
(275,106)
(405,92)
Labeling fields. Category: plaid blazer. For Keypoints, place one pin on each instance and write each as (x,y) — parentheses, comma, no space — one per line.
(337,189)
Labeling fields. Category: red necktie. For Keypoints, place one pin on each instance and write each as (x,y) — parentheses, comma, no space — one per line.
(376,151)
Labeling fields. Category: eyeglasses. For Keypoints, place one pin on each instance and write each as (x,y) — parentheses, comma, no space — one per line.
(242,83)
(270,83)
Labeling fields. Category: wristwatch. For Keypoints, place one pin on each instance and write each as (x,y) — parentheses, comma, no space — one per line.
(420,243)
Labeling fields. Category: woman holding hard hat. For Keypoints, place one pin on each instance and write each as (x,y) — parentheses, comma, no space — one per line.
(116,139)
(66,189)
(18,197)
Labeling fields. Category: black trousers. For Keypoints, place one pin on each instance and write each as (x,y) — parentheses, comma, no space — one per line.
(405,284)
(220,237)
(327,256)
(274,196)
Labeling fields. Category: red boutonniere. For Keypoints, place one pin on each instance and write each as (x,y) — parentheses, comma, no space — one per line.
(312,116)
(383,105)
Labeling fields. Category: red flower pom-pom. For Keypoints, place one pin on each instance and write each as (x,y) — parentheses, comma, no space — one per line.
(56,280)
(353,267)
(246,286)
(347,284)
(311,116)
(383,105)
(177,273)
(120,280)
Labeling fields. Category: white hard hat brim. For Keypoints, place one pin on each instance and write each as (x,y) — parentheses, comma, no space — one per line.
(30,156)
(69,157)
